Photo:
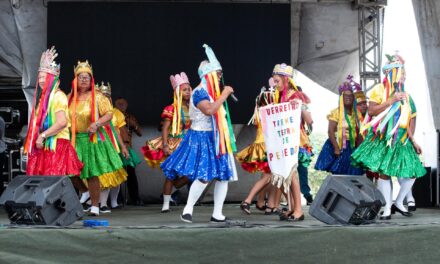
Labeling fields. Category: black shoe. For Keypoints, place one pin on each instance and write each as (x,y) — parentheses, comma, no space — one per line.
(187,218)
(215,220)
(165,211)
(86,207)
(309,199)
(394,209)
(412,207)
(388,217)
(292,218)
(104,210)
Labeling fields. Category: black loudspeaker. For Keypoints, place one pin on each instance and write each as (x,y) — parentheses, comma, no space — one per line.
(425,189)
(41,200)
(347,200)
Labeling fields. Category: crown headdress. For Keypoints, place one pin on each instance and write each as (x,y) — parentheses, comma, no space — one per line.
(104,89)
(178,79)
(47,62)
(83,67)
(211,65)
(349,85)
(283,69)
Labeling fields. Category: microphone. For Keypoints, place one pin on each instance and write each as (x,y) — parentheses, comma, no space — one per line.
(235,99)
(396,87)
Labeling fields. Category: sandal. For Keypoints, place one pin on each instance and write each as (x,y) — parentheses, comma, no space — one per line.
(292,218)
(261,208)
(272,210)
(245,207)
(284,216)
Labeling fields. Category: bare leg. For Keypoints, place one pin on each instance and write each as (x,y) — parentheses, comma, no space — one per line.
(180,182)
(79,184)
(296,193)
(167,187)
(94,189)
(258,186)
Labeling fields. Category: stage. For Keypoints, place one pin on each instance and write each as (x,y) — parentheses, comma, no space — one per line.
(144,235)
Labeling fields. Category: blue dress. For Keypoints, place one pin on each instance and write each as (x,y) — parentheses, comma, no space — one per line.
(195,157)
(327,161)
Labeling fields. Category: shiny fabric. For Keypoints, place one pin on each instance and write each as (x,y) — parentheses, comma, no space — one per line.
(153,153)
(195,158)
(133,159)
(118,119)
(83,111)
(253,158)
(398,160)
(113,179)
(305,155)
(62,161)
(327,161)
(60,104)
(199,121)
(334,116)
(99,159)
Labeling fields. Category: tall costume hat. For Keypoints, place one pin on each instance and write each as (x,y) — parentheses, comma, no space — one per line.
(343,120)
(178,116)
(387,123)
(43,115)
(222,126)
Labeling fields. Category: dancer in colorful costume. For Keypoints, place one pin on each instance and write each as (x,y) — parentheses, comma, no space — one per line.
(48,140)
(176,122)
(118,126)
(206,152)
(390,148)
(287,91)
(345,122)
(253,158)
(94,140)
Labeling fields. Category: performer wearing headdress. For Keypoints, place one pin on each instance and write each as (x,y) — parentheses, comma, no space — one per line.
(176,123)
(343,121)
(287,91)
(206,152)
(253,158)
(118,126)
(390,148)
(48,139)
(92,136)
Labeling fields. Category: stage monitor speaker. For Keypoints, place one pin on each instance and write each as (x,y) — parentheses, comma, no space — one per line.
(41,200)
(347,199)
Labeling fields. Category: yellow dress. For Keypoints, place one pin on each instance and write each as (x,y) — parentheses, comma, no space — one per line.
(101,158)
(253,158)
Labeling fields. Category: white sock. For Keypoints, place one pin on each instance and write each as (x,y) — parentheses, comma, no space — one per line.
(84,197)
(220,191)
(405,187)
(166,202)
(114,192)
(384,187)
(95,210)
(194,194)
(103,197)
(409,195)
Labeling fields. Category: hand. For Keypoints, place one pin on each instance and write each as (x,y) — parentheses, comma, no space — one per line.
(227,90)
(337,152)
(39,142)
(417,148)
(166,150)
(125,152)
(92,128)
(398,97)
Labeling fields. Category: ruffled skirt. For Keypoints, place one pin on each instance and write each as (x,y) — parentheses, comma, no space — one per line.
(398,160)
(153,153)
(327,161)
(100,159)
(133,159)
(253,158)
(196,159)
(62,161)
